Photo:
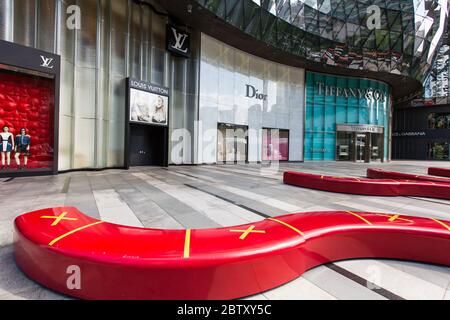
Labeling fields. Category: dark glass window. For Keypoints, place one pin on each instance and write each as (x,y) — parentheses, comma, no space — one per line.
(438,151)
(439,121)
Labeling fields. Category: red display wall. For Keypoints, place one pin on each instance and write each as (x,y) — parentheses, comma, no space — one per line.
(27,101)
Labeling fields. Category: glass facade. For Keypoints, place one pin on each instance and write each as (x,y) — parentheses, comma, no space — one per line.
(336,100)
(437,83)
(402,40)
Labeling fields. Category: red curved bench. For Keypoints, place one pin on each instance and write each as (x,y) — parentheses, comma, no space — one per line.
(370,187)
(119,262)
(439,172)
(381,174)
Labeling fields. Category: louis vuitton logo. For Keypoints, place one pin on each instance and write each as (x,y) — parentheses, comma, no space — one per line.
(180,40)
(47,62)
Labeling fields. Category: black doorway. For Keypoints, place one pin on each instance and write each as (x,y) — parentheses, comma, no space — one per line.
(148,145)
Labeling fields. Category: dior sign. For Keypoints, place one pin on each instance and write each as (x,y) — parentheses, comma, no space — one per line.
(178,41)
(357,93)
(252,92)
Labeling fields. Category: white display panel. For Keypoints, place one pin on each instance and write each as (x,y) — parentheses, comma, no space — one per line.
(148,108)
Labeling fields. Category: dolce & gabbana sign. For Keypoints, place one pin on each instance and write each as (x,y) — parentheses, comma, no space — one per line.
(357,93)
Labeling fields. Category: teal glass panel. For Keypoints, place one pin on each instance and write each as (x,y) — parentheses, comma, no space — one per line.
(318,146)
(330,146)
(319,119)
(330,118)
(353,115)
(308,146)
(341,114)
(364,117)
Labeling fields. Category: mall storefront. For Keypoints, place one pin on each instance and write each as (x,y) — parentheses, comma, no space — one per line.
(347,119)
(421,133)
(108,93)
(250,109)
(138,89)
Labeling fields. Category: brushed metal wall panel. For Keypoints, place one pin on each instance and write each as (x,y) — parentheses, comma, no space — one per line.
(159,66)
(46,11)
(6,17)
(67,38)
(65,156)
(84,154)
(25,22)
(86,42)
(67,88)
(85,92)
(146,43)
(119,37)
(104,34)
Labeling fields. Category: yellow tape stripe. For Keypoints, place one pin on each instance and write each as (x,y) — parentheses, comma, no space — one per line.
(397,217)
(393,218)
(442,224)
(72,232)
(287,225)
(187,244)
(359,217)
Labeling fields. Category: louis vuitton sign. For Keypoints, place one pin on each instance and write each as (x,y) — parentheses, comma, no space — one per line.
(178,41)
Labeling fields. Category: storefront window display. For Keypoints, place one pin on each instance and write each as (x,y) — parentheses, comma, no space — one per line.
(26,121)
(248,94)
(439,121)
(232,143)
(275,145)
(439,151)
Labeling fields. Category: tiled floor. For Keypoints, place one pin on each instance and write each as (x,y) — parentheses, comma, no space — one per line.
(213,196)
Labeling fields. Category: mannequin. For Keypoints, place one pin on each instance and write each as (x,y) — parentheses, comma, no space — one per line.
(6,147)
(23,142)
(159,113)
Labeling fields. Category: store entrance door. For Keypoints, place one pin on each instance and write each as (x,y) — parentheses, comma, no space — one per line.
(148,145)
(361,148)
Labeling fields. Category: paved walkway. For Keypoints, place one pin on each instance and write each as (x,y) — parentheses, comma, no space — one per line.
(215,196)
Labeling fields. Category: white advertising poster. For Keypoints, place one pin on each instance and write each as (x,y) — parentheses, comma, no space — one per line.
(148,108)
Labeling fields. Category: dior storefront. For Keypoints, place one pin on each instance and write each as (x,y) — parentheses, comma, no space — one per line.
(250,109)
